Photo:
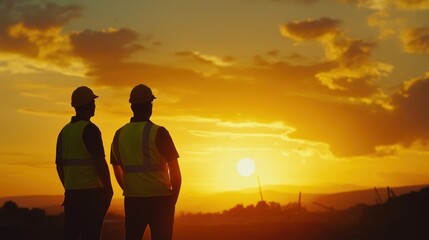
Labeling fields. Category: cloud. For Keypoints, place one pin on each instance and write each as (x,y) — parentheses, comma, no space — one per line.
(363,129)
(290,94)
(207,59)
(356,73)
(416,40)
(356,52)
(353,73)
(297,1)
(275,56)
(410,110)
(66,65)
(278,125)
(107,53)
(19,17)
(310,29)
(412,4)
(41,16)
(372,4)
(384,4)
(383,21)
(237,149)
(132,73)
(349,129)
(350,87)
(189,118)
(248,124)
(36,95)
(32,40)
(345,80)
(31,36)
(44,113)
(270,79)
(106,46)
(234,135)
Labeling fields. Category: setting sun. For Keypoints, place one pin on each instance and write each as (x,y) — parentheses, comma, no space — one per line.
(245,167)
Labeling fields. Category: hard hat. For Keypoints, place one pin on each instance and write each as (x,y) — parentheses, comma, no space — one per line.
(81,96)
(141,94)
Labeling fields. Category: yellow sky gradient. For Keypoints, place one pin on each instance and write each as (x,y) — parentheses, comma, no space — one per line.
(320,93)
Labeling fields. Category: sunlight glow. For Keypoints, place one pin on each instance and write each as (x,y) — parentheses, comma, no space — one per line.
(245,167)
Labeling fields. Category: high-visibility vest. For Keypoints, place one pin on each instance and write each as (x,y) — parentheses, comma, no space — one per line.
(145,169)
(79,168)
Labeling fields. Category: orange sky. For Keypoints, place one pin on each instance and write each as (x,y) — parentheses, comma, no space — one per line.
(321,93)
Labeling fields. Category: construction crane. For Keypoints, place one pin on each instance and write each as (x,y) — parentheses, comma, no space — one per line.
(324,206)
(390,193)
(378,199)
(260,190)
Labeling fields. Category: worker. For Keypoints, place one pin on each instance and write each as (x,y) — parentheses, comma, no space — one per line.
(145,163)
(83,171)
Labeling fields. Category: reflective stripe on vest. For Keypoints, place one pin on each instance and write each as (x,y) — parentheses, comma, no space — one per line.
(145,169)
(79,168)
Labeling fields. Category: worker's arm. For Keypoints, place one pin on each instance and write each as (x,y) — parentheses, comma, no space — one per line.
(103,170)
(115,161)
(94,144)
(60,171)
(166,147)
(59,159)
(119,175)
(176,177)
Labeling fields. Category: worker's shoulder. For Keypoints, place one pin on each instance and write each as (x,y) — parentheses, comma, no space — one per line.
(162,133)
(160,129)
(123,126)
(118,131)
(91,125)
(92,128)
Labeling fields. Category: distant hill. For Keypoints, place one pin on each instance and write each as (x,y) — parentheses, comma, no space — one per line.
(284,194)
(217,202)
(345,200)
(221,201)
(308,188)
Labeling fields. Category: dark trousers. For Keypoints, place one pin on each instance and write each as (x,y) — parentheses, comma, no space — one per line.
(84,211)
(157,212)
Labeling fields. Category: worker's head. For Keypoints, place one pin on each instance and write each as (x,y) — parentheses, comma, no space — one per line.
(141,94)
(141,98)
(83,101)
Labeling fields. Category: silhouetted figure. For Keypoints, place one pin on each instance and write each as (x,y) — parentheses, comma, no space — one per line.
(83,170)
(144,160)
